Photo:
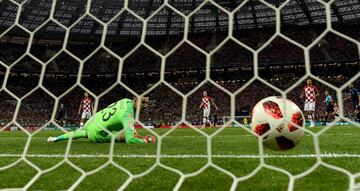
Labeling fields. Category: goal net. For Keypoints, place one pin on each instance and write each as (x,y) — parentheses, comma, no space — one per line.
(240,51)
(244,120)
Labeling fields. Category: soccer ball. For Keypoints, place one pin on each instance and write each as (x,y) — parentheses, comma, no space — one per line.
(270,114)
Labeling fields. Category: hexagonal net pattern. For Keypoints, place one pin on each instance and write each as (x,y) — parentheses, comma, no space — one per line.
(146,23)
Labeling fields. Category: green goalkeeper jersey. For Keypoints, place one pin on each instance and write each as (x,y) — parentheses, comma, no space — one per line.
(116,117)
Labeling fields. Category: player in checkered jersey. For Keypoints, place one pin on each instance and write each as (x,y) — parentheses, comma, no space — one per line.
(86,106)
(206,102)
(311,92)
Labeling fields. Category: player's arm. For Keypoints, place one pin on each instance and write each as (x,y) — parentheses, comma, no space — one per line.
(317,92)
(201,104)
(80,107)
(302,93)
(331,100)
(212,101)
(128,124)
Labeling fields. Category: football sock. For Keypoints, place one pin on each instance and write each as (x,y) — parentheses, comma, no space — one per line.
(313,119)
(208,121)
(310,119)
(75,135)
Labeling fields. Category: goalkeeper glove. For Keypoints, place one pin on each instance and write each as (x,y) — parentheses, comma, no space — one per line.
(149,139)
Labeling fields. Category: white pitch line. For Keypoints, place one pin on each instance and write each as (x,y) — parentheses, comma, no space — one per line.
(327,155)
(249,135)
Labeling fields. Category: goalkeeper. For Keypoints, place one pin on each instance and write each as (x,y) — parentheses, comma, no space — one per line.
(117,119)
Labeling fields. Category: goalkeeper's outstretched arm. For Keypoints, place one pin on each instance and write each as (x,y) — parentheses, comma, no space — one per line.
(131,136)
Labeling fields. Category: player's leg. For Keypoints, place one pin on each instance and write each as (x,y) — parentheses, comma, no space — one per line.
(357,114)
(81,133)
(312,119)
(332,112)
(307,112)
(203,122)
(327,113)
(204,119)
(206,115)
(208,118)
(209,122)
(83,116)
(312,114)
(211,125)
(326,118)
(63,122)
(87,116)
(57,119)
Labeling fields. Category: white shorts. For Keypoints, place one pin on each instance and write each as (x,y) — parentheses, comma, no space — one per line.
(309,106)
(86,115)
(206,112)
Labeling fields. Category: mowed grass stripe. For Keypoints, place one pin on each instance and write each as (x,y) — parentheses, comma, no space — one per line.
(327,155)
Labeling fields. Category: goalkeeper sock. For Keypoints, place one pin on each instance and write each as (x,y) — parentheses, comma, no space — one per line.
(75,135)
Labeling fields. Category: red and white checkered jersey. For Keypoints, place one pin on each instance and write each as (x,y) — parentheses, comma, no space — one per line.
(310,93)
(86,104)
(206,102)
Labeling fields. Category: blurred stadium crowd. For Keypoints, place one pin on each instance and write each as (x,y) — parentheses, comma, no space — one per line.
(281,63)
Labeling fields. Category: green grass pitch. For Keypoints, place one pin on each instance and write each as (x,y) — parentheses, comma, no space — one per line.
(233,149)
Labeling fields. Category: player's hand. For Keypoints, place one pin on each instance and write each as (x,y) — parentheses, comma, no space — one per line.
(152,139)
(149,139)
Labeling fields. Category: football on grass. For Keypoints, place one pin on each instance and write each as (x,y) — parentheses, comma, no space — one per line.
(271,117)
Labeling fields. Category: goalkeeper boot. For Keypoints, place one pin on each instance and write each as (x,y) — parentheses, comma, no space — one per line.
(51,139)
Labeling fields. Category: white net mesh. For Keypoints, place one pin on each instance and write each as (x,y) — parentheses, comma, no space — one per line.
(103,29)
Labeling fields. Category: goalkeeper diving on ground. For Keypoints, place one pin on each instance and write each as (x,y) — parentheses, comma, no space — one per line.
(117,119)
